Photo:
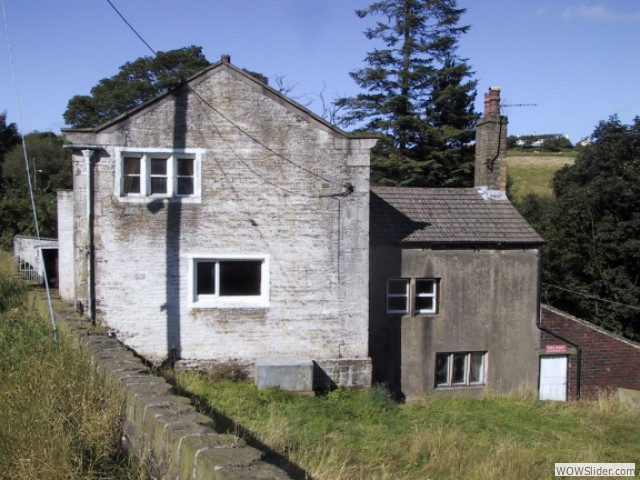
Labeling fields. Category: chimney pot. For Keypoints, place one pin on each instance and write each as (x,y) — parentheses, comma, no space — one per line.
(492,102)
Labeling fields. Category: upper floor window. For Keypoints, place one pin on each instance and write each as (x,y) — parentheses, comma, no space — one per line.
(417,296)
(158,173)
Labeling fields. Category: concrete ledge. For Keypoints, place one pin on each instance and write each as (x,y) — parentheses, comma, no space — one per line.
(292,374)
(164,429)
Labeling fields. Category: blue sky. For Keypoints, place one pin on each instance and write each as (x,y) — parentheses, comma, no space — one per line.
(576,60)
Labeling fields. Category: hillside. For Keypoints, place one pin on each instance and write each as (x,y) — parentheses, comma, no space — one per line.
(532,173)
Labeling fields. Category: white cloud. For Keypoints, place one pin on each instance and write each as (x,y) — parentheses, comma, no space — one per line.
(598,12)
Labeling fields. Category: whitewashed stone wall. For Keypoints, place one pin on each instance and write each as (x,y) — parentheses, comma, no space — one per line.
(271,179)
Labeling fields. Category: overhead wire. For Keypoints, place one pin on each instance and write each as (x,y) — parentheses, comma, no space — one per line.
(348,188)
(592,297)
(28,174)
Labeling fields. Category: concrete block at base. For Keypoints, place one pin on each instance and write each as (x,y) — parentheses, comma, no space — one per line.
(292,374)
(629,397)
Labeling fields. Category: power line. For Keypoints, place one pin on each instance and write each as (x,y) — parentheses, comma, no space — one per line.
(593,297)
(131,27)
(232,123)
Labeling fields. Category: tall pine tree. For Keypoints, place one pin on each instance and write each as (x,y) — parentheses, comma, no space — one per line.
(418,94)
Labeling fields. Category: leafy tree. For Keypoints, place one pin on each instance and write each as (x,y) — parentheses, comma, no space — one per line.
(9,137)
(49,163)
(593,231)
(418,95)
(50,169)
(135,83)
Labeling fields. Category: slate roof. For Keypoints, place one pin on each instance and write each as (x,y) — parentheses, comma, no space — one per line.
(446,216)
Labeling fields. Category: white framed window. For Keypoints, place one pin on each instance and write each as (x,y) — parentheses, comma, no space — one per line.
(145,174)
(460,369)
(423,300)
(229,281)
(426,297)
(398,295)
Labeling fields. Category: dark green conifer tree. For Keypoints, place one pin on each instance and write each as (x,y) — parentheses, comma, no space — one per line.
(418,95)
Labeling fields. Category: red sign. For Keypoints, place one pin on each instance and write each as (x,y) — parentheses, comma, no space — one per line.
(558,348)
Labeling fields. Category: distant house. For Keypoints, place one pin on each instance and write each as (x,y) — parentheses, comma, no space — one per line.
(222,222)
(454,281)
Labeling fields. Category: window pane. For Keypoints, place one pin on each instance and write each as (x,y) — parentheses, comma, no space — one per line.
(397,287)
(397,304)
(206,278)
(240,278)
(158,185)
(476,369)
(459,369)
(442,369)
(132,165)
(424,305)
(131,184)
(185,167)
(425,286)
(131,176)
(185,186)
(159,166)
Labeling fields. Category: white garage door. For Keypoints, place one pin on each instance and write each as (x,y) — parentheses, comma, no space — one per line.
(553,378)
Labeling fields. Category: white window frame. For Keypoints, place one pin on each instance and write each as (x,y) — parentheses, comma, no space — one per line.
(216,300)
(467,370)
(172,156)
(433,295)
(404,295)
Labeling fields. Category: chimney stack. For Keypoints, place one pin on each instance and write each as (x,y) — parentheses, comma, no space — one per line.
(226,59)
(491,146)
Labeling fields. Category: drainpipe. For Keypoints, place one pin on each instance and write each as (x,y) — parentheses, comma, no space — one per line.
(558,336)
(88,154)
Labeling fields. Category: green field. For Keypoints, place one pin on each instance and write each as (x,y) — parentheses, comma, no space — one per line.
(349,435)
(533,173)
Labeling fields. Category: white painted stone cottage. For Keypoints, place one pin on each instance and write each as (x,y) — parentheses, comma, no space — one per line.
(222,222)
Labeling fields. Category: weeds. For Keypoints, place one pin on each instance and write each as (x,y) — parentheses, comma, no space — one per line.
(59,421)
(348,434)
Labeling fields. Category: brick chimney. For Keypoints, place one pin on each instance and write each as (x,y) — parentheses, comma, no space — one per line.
(491,145)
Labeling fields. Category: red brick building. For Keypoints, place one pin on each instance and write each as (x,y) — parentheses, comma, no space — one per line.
(595,359)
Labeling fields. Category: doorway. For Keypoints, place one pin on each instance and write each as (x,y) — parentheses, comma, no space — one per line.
(553,377)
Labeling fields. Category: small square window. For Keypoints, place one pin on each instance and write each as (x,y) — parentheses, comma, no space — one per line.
(426,299)
(398,295)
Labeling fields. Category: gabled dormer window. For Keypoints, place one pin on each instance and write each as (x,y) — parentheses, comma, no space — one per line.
(145,174)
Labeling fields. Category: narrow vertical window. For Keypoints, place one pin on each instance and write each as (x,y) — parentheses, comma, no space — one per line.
(442,369)
(476,368)
(205,278)
(131,176)
(459,369)
(398,295)
(159,176)
(426,300)
(185,176)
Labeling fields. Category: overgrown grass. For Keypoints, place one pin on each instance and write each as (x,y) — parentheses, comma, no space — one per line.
(59,421)
(364,435)
(533,173)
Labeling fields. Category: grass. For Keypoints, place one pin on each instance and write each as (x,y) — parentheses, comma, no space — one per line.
(59,420)
(364,435)
(533,173)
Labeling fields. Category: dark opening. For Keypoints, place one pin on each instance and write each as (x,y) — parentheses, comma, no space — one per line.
(240,277)
(206,282)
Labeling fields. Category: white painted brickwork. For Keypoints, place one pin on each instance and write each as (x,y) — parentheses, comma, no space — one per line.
(254,201)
